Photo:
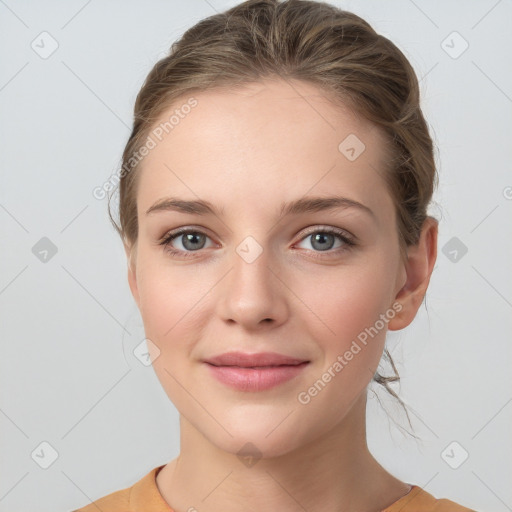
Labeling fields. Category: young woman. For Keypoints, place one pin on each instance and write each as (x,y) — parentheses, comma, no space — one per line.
(273,208)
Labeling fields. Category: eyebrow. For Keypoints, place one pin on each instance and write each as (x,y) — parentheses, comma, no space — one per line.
(303,205)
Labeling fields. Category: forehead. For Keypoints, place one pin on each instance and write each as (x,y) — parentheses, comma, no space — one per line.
(264,141)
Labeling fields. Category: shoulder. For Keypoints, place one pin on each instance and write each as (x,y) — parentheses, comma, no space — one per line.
(419,500)
(143,492)
(118,501)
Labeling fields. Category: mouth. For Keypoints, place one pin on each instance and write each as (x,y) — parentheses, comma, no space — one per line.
(258,360)
(254,372)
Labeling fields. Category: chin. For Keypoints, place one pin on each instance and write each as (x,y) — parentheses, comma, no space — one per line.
(258,437)
(250,448)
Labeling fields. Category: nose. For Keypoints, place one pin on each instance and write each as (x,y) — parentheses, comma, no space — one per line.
(253,293)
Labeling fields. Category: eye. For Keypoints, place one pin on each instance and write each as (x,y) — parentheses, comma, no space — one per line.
(191,240)
(324,239)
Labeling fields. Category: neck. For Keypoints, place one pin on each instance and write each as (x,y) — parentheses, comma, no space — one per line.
(332,473)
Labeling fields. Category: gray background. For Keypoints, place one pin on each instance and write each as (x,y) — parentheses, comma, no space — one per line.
(69,325)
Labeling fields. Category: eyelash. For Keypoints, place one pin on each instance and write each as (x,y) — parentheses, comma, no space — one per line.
(169,237)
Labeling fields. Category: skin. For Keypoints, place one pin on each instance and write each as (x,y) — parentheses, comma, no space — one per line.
(247,150)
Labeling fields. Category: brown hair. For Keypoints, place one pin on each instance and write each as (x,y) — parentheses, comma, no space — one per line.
(306,40)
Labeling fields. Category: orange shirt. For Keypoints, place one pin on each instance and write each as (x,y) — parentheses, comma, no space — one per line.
(144,496)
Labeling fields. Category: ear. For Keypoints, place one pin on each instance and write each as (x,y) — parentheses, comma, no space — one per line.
(418,268)
(131,254)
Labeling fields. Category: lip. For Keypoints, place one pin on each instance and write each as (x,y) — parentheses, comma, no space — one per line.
(254,372)
(259,359)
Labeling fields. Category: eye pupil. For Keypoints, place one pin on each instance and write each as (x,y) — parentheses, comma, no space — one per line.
(191,238)
(321,237)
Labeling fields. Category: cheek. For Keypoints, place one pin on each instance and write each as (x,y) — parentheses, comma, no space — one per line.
(346,323)
(343,304)
(169,298)
(172,308)
(344,317)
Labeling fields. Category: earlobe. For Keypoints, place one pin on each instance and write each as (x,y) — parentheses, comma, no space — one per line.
(418,267)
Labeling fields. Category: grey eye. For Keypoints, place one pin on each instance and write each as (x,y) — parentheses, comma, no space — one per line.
(322,241)
(192,241)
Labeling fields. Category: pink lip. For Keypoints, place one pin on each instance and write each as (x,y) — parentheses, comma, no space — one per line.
(252,360)
(254,372)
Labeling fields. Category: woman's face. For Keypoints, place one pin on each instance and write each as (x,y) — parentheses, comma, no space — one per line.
(264,272)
